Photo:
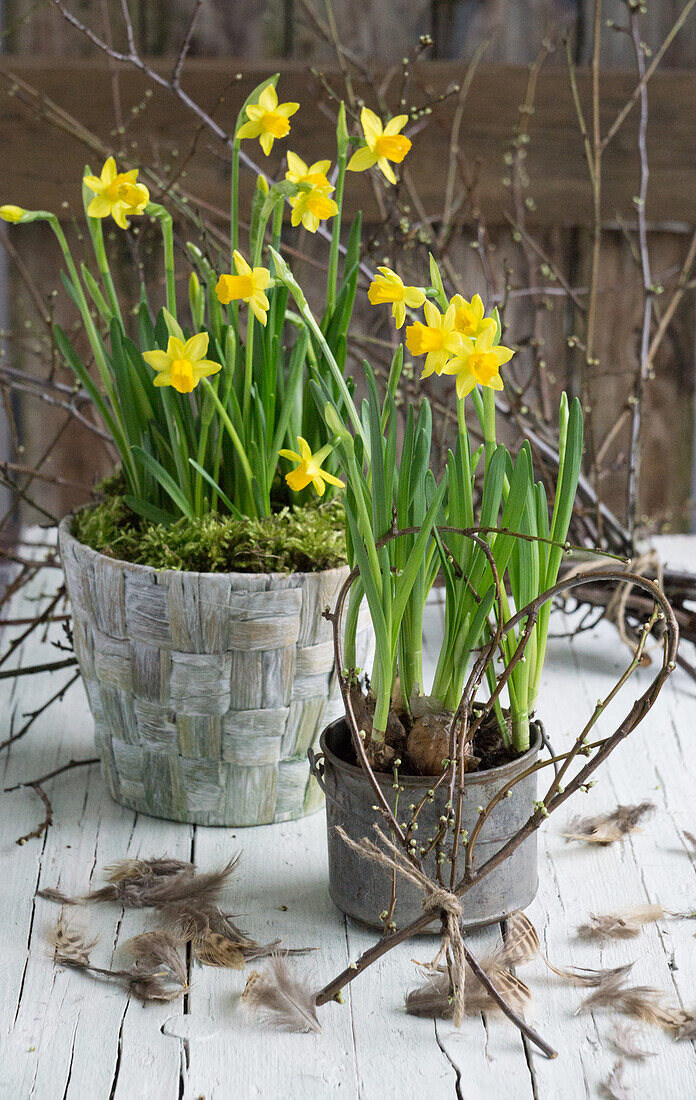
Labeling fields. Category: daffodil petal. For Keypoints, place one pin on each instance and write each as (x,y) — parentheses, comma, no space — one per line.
(243,268)
(250,129)
(196,347)
(258,310)
(268,99)
(502,354)
(371,124)
(204,368)
(386,168)
(361,160)
(163,379)
(175,348)
(109,171)
(266,142)
(333,480)
(292,455)
(305,449)
(99,207)
(319,485)
(465,384)
(158,360)
(395,125)
(287,110)
(298,480)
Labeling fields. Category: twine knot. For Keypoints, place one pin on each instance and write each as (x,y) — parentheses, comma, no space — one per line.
(436,899)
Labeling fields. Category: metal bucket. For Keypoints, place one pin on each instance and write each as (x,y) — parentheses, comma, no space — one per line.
(362,889)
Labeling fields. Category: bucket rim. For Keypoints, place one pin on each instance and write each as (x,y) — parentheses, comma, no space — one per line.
(412,782)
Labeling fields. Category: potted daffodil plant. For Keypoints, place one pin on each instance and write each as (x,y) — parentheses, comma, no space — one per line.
(427,758)
(198,582)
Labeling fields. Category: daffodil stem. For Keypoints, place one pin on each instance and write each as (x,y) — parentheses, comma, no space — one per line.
(176,437)
(167,226)
(332,277)
(488,424)
(234,201)
(206,418)
(97,234)
(243,460)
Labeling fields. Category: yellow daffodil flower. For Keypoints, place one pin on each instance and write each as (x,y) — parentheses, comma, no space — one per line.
(309,468)
(10,213)
(312,207)
(182,365)
(248,285)
(437,340)
(468,316)
(268,119)
(382,144)
(478,363)
(117,194)
(315,175)
(388,287)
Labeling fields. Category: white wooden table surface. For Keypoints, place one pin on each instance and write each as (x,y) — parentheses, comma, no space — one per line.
(67,1036)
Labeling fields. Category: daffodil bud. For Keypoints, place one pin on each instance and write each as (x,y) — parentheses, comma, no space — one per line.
(341,130)
(10,213)
(262,184)
(196,300)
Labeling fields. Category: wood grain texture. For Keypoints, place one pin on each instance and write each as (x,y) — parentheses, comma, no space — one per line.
(555,161)
(63,1035)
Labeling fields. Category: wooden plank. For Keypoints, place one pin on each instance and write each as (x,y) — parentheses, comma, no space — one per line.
(555,161)
(64,1034)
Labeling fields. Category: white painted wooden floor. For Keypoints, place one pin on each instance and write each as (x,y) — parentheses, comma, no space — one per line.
(66,1036)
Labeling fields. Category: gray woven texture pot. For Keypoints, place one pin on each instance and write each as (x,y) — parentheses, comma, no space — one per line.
(362,889)
(206,689)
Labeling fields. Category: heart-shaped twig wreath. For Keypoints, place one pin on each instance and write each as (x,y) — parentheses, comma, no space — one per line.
(398,852)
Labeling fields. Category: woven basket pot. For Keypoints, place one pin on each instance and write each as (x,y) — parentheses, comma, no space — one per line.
(206,689)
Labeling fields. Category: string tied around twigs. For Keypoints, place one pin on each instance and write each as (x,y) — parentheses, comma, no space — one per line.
(436,899)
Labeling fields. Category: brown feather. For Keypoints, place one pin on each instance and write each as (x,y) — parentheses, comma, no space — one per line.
(216,950)
(154,891)
(584,976)
(157,950)
(614,1088)
(71,946)
(625,924)
(628,1042)
(607,828)
(432,999)
(277,996)
(521,943)
(134,869)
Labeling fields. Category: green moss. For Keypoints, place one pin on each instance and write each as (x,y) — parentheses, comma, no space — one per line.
(297,539)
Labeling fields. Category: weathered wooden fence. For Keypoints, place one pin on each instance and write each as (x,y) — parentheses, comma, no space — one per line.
(40,165)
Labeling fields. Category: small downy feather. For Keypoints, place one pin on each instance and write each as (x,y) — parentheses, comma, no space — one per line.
(521,943)
(590,979)
(432,999)
(157,950)
(277,996)
(155,976)
(615,1088)
(134,869)
(215,950)
(622,925)
(608,828)
(72,946)
(153,891)
(511,988)
(629,1042)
